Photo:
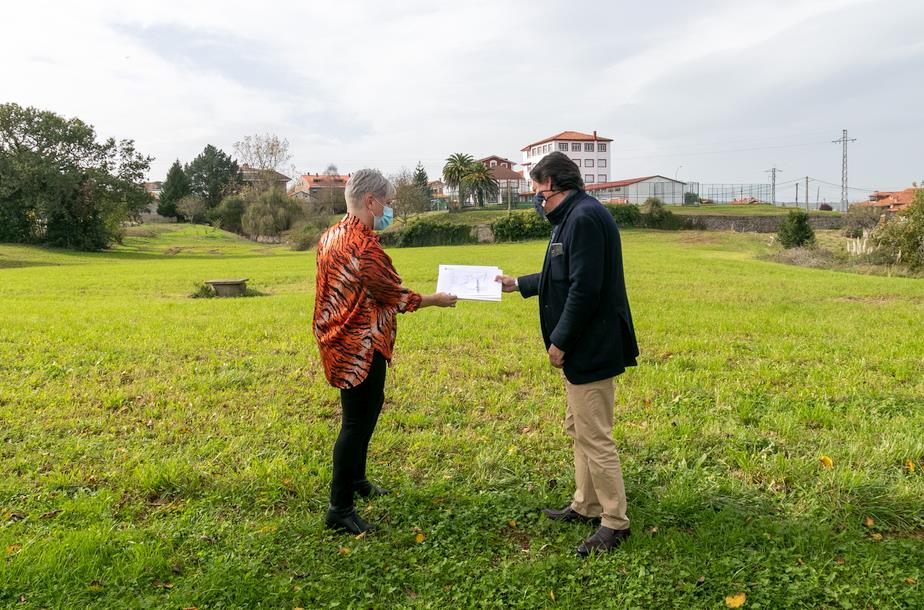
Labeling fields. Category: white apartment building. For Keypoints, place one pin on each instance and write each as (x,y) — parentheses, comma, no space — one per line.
(589,151)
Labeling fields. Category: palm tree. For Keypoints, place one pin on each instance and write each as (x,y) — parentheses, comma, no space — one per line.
(457,166)
(480,182)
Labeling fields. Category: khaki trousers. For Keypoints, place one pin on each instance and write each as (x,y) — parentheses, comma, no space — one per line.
(597,473)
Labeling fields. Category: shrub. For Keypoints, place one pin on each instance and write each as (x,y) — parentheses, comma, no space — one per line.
(902,237)
(305,235)
(229,213)
(625,215)
(520,226)
(270,214)
(191,208)
(424,232)
(860,218)
(656,216)
(825,207)
(691,198)
(795,230)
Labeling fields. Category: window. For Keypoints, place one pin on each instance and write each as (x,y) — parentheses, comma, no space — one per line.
(588,178)
(589,147)
(601,162)
(577,162)
(493,163)
(563,146)
(601,147)
(533,151)
(545,148)
(601,177)
(588,163)
(575,147)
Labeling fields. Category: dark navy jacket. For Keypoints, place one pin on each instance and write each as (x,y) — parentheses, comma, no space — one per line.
(583,307)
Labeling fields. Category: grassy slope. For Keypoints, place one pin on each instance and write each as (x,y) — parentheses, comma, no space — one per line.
(187,441)
(475,216)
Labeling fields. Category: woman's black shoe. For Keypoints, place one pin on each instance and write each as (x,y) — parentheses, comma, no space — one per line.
(366,488)
(346,521)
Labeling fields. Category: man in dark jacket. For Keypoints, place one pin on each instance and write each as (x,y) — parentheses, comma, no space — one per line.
(587,328)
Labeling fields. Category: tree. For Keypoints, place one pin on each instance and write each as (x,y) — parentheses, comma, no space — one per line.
(192,208)
(480,183)
(454,171)
(175,187)
(902,236)
(422,181)
(230,212)
(409,199)
(213,175)
(795,230)
(269,214)
(266,153)
(60,186)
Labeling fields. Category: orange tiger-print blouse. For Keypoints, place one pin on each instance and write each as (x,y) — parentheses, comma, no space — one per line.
(358,297)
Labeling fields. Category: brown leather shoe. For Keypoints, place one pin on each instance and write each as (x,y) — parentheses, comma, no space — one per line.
(568,514)
(603,540)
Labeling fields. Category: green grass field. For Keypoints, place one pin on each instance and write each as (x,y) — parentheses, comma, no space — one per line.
(160,451)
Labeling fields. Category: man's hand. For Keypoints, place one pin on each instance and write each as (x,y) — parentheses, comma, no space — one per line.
(508,283)
(439,299)
(556,356)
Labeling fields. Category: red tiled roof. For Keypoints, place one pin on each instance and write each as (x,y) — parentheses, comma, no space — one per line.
(605,185)
(505,173)
(311,179)
(894,200)
(499,158)
(252,173)
(575,136)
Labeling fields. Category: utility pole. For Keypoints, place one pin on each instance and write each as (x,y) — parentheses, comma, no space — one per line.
(773,171)
(797,194)
(806,194)
(843,140)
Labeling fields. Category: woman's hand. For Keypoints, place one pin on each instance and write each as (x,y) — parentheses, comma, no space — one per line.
(440,299)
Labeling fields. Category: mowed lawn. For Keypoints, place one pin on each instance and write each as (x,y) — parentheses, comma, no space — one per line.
(160,451)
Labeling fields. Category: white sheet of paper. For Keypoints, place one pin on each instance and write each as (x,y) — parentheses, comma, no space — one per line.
(470,282)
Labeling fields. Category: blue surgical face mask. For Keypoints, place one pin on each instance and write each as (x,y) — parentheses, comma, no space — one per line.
(384,221)
(538,200)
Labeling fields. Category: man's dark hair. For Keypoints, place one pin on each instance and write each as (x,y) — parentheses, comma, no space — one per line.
(565,174)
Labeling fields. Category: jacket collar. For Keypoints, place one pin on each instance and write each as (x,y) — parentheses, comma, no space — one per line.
(561,210)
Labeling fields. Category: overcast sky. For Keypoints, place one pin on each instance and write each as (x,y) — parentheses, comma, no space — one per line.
(712,90)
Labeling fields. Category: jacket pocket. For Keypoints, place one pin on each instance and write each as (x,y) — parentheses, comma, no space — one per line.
(558,268)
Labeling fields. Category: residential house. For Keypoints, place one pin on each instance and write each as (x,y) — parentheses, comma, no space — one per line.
(637,190)
(589,151)
(893,201)
(510,182)
(260,178)
(322,188)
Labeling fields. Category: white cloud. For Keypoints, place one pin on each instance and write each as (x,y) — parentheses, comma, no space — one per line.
(363,83)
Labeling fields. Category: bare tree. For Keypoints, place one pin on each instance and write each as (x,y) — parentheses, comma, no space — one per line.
(409,199)
(266,153)
(263,151)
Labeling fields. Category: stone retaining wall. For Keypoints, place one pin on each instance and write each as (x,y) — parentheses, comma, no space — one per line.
(759,224)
